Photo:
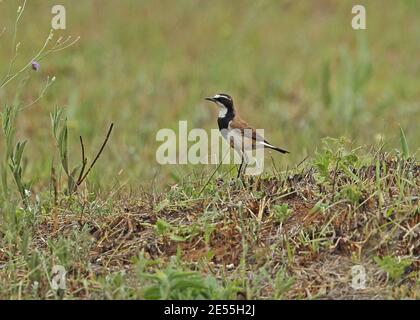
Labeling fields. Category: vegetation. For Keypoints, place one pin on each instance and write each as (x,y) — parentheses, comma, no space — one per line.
(124,227)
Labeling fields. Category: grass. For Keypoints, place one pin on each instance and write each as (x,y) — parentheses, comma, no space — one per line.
(124,227)
(144,70)
(288,236)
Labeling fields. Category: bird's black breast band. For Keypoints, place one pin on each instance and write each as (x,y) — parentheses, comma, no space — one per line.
(224,122)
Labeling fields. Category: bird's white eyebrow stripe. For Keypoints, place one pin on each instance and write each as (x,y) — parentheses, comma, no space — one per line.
(221,96)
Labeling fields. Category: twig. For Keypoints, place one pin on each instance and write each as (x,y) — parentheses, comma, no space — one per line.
(54,184)
(41,95)
(84,161)
(98,155)
(304,159)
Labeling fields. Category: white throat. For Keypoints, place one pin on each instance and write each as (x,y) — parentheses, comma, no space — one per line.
(222,110)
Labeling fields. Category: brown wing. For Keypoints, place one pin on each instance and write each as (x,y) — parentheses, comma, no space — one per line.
(239,124)
(250,136)
(250,133)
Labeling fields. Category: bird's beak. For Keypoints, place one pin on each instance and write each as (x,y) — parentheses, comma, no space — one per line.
(210,99)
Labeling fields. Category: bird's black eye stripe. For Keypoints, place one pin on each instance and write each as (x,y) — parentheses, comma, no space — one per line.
(226,96)
(223,97)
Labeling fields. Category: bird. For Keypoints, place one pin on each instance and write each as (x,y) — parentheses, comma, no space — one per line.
(232,126)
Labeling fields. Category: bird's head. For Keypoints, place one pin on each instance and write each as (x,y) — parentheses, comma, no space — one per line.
(224,102)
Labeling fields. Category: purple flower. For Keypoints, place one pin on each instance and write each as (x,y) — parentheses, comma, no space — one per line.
(35,65)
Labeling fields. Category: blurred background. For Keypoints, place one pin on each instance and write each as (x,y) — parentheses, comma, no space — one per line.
(295,68)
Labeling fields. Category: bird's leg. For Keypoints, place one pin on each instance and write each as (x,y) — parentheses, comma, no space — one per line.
(244,177)
(240,167)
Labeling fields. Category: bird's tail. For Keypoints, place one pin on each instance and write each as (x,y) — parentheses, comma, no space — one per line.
(277,149)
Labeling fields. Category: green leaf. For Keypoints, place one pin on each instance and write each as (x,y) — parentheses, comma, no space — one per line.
(162,226)
(56,117)
(62,144)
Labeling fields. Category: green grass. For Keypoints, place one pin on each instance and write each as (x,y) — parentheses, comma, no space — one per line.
(279,237)
(146,66)
(126,227)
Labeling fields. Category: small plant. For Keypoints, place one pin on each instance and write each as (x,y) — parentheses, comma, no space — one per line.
(333,156)
(281,212)
(162,227)
(15,165)
(8,125)
(78,174)
(394,267)
(114,286)
(13,155)
(351,193)
(282,284)
(177,233)
(173,283)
